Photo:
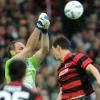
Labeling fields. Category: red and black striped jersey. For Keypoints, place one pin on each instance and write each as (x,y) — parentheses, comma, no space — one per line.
(72,76)
(17,91)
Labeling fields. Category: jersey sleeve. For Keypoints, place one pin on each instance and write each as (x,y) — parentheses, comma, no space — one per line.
(34,61)
(7,77)
(82,60)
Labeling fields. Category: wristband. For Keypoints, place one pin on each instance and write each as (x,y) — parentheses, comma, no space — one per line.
(44,31)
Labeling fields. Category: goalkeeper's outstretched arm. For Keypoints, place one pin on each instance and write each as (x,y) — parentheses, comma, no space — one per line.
(30,45)
(44,49)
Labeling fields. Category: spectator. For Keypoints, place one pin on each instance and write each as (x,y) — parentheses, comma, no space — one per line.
(23,32)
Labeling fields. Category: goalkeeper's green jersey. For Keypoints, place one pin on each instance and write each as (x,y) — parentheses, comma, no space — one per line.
(29,79)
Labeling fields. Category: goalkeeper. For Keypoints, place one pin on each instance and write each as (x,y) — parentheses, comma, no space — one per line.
(18,50)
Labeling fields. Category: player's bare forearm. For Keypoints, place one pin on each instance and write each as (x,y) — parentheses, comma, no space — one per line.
(30,45)
(59,95)
(33,39)
(44,49)
(45,44)
(94,72)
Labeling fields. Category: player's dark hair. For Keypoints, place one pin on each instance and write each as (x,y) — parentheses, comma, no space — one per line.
(17,70)
(63,42)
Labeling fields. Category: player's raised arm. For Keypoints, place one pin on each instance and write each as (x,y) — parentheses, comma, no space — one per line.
(40,55)
(33,40)
(44,49)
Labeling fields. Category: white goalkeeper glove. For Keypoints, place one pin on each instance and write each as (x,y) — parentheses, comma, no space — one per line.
(43,23)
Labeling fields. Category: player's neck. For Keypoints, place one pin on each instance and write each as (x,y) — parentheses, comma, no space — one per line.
(63,53)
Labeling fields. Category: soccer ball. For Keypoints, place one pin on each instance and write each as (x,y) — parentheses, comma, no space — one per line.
(73,10)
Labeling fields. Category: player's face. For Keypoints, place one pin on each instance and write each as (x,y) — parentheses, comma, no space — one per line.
(19,47)
(56,52)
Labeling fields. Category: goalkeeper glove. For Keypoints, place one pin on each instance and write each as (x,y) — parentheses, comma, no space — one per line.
(43,23)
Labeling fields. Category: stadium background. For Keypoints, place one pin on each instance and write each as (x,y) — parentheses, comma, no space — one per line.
(17,21)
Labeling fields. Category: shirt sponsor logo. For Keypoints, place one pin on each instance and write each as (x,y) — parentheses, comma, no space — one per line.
(63,72)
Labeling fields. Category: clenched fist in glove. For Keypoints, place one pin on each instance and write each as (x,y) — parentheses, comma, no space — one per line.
(43,23)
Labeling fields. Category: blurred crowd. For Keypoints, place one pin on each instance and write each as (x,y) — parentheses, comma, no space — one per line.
(17,21)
